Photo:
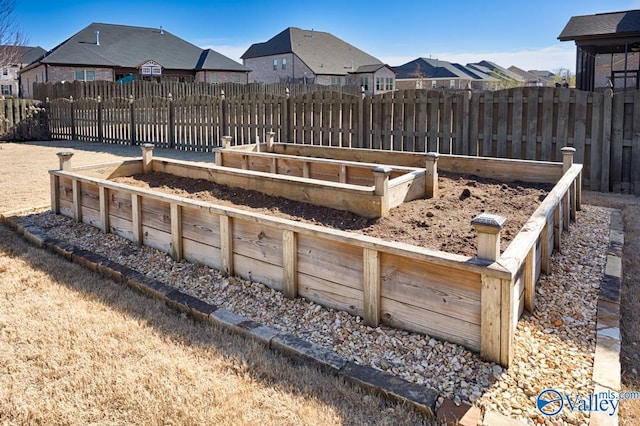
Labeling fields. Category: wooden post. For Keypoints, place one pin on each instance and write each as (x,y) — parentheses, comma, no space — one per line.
(223,120)
(76,195)
(466,104)
(567,162)
(172,122)
(490,318)
(104,208)
(343,173)
(371,285)
(226,244)
(55,194)
(270,140)
(431,176)
(290,264)
(226,142)
(488,227)
(381,177)
(136,218)
(176,232)
(65,160)
(557,226)
(605,155)
(147,157)
(73,119)
(530,280)
(132,121)
(100,126)
(545,250)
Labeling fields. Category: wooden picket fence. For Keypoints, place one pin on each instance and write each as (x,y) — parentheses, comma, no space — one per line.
(22,119)
(531,123)
(143,89)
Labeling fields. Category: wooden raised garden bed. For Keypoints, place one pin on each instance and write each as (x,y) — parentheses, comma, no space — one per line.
(473,301)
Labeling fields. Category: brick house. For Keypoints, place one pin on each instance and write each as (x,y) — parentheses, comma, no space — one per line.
(307,56)
(117,52)
(15,58)
(427,73)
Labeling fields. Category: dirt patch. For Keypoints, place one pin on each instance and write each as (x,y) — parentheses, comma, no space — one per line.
(443,223)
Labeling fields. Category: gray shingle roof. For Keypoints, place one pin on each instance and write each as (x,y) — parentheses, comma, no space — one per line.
(601,24)
(25,54)
(322,52)
(436,68)
(126,46)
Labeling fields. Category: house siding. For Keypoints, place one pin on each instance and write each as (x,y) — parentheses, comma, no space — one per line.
(262,69)
(221,77)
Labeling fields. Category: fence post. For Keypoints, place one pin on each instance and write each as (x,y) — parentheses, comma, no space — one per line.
(360,130)
(289,117)
(431,175)
(223,113)
(73,119)
(132,121)
(172,123)
(100,129)
(607,119)
(466,105)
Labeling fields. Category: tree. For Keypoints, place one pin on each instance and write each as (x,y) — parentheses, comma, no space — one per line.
(11,36)
(562,75)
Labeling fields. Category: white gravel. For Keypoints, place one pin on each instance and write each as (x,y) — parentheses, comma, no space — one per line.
(554,346)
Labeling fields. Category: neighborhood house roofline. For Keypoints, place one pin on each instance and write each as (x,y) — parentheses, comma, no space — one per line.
(602,25)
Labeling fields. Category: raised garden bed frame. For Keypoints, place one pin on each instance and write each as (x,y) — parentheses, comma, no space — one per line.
(472,301)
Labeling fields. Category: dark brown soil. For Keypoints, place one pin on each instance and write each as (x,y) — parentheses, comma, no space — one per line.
(442,224)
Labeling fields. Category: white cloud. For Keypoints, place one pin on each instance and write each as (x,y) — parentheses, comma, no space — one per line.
(549,58)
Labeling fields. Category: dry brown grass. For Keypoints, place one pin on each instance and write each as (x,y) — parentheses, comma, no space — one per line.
(79,349)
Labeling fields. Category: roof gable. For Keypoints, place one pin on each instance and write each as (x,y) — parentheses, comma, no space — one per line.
(127,46)
(435,68)
(322,52)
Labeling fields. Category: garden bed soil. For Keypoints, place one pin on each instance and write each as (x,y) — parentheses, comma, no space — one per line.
(443,223)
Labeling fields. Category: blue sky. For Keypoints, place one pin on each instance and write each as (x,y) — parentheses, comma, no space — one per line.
(523,34)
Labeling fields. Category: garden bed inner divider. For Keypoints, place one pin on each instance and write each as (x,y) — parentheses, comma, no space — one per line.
(472,301)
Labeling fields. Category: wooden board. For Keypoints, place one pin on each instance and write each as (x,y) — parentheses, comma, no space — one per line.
(156,214)
(431,287)
(258,271)
(331,260)
(201,226)
(196,252)
(331,294)
(120,204)
(257,241)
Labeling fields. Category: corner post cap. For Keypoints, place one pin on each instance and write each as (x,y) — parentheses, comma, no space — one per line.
(488,222)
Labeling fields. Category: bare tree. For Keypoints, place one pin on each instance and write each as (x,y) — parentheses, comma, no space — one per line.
(11,36)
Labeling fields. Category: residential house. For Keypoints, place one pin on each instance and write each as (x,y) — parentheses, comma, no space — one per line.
(534,79)
(504,77)
(307,56)
(120,53)
(14,58)
(607,49)
(427,73)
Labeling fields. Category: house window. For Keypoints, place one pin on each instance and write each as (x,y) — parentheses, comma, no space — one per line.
(433,84)
(336,81)
(5,71)
(275,65)
(419,84)
(388,83)
(284,63)
(364,82)
(452,84)
(236,79)
(214,79)
(6,90)
(85,75)
(379,83)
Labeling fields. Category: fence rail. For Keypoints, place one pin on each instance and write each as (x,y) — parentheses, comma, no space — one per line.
(142,89)
(528,123)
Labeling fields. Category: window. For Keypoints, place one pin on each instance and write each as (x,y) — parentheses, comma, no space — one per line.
(452,84)
(389,83)
(85,75)
(284,63)
(275,65)
(379,83)
(364,82)
(236,79)
(419,84)
(433,84)
(6,90)
(214,79)
(5,71)
(336,81)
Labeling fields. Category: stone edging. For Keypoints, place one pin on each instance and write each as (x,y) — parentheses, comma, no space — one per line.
(606,368)
(395,388)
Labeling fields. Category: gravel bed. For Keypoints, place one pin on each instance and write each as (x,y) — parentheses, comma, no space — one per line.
(554,346)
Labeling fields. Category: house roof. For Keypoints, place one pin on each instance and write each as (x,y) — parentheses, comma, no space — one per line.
(322,52)
(127,46)
(436,68)
(600,25)
(23,54)
(489,67)
(527,75)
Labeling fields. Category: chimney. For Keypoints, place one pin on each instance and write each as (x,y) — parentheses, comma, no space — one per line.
(161,30)
(97,38)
